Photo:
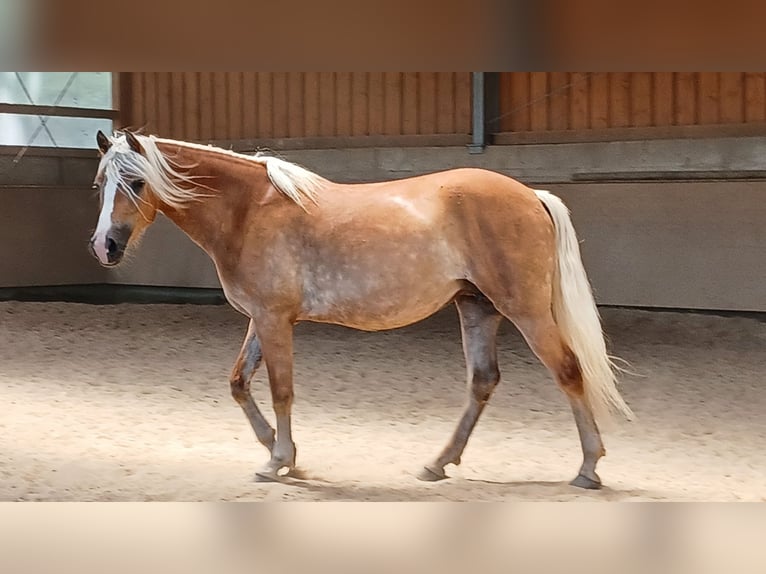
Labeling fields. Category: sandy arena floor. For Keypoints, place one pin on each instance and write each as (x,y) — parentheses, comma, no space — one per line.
(132,402)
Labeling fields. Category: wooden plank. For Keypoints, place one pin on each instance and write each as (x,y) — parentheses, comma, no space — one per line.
(249,105)
(755,96)
(463,98)
(732,98)
(206,112)
(177,102)
(137,113)
(234,104)
(376,98)
(311,109)
(662,99)
(599,100)
(445,102)
(619,100)
(538,101)
(191,106)
(515,95)
(359,104)
(558,101)
(150,101)
(579,104)
(163,104)
(343,103)
(685,105)
(220,106)
(392,107)
(410,103)
(708,98)
(641,99)
(327,103)
(265,108)
(279,104)
(427,102)
(296,116)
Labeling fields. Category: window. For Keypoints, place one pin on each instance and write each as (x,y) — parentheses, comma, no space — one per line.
(55,109)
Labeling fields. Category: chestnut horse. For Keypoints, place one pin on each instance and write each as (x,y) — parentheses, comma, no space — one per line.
(291,246)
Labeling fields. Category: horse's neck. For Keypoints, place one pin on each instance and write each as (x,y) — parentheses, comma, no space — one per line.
(229,190)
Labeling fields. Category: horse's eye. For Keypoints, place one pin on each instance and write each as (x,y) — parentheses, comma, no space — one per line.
(136,185)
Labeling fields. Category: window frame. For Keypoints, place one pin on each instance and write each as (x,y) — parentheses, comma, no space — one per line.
(114,114)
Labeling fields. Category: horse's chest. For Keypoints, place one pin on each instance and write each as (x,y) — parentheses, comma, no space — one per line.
(236,295)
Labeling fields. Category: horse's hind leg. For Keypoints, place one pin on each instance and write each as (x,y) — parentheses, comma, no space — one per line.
(543,336)
(479,322)
(276,335)
(248,361)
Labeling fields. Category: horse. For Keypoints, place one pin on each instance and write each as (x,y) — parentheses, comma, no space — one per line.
(289,246)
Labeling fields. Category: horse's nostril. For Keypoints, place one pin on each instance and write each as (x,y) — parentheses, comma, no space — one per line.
(111,246)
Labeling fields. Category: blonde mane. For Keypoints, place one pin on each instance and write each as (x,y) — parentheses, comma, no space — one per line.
(172,185)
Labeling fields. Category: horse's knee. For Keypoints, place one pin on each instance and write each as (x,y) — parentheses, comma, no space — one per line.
(240,388)
(282,399)
(569,375)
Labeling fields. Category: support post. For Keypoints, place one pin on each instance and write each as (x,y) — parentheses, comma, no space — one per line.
(478,134)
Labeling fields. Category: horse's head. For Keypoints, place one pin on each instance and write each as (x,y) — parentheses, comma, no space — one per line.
(128,206)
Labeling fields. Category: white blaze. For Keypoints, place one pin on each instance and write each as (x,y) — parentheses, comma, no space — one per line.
(104,222)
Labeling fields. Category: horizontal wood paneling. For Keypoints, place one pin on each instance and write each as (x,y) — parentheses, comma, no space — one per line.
(251,105)
(555,101)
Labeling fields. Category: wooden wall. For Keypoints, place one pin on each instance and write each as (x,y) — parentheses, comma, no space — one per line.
(244,105)
(231,106)
(551,101)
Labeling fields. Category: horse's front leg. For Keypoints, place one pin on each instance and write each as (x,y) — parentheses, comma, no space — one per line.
(276,335)
(247,363)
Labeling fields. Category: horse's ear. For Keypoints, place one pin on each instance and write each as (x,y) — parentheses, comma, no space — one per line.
(103,142)
(133,142)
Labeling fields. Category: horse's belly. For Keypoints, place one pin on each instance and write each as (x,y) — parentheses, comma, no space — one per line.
(382,277)
(374,303)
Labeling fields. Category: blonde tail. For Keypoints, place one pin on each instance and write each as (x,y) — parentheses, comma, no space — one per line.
(574,310)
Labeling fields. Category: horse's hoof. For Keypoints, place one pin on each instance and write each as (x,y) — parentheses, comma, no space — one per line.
(267,476)
(431,474)
(582,481)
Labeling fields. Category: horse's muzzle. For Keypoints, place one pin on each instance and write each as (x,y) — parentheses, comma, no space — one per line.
(110,248)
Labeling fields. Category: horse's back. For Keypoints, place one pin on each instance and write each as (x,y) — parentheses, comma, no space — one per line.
(470,205)
(450,190)
(470,179)
(486,204)
(485,187)
(485,220)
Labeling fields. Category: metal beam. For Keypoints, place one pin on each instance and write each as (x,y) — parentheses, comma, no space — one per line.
(59,111)
(478,134)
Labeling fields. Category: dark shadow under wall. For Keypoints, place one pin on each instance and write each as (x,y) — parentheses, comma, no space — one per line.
(105,294)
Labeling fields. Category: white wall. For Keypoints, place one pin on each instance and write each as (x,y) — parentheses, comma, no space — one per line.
(691,245)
